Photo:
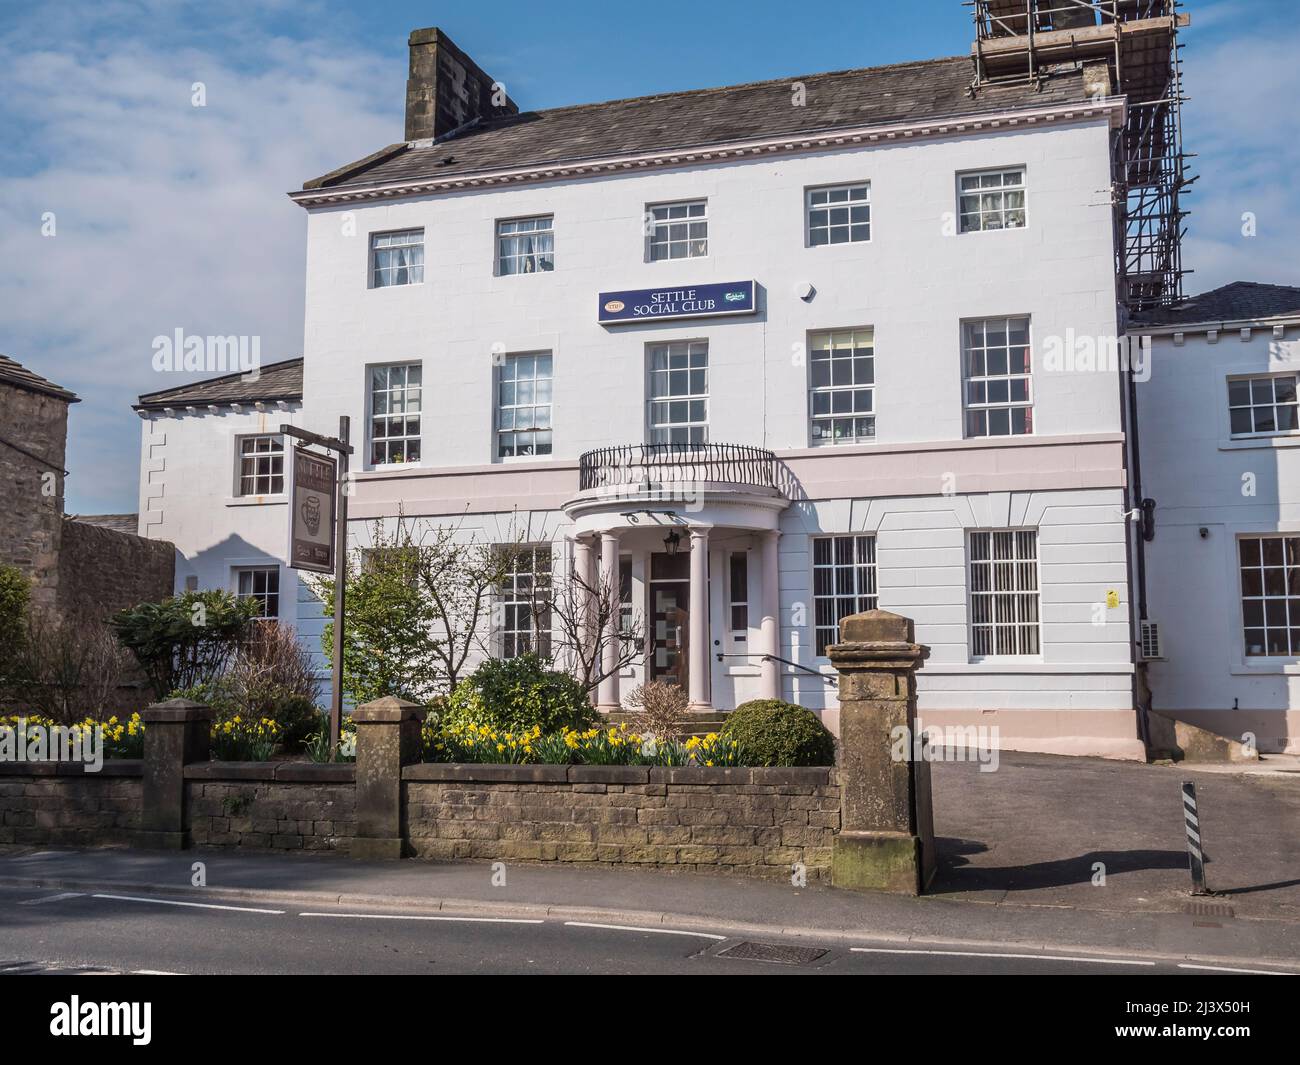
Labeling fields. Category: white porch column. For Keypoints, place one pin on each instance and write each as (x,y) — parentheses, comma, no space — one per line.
(698,679)
(584,574)
(607,700)
(769,641)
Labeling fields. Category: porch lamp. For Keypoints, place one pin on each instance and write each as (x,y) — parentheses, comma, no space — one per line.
(672,542)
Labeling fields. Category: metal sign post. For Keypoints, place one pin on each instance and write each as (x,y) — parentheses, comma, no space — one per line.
(1195,854)
(308,514)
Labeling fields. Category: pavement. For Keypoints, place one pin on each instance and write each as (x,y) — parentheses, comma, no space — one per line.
(1032,832)
(1020,850)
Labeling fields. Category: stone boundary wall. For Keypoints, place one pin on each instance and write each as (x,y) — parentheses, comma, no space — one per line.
(271,805)
(102,571)
(757,822)
(51,803)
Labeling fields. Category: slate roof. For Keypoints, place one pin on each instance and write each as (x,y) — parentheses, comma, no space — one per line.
(902,92)
(123,523)
(15,374)
(278,380)
(1240,301)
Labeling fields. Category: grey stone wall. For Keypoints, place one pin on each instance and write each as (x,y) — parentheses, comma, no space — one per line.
(270,806)
(61,804)
(757,822)
(33,433)
(102,571)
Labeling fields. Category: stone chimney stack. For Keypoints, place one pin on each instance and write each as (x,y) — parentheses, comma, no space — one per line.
(446,88)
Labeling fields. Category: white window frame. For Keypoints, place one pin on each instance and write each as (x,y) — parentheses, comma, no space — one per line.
(543,260)
(372,415)
(1000,190)
(374,270)
(852,389)
(1250,380)
(653,224)
(847,204)
(257,458)
(971,381)
(238,573)
(1022,567)
(513,638)
(695,427)
(862,571)
(1290,600)
(503,412)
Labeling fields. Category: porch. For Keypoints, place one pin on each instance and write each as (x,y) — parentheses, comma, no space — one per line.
(692,531)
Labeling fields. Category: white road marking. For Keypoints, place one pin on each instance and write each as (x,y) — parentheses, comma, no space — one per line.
(52,898)
(1225,969)
(635,928)
(195,905)
(153,972)
(990,954)
(429,917)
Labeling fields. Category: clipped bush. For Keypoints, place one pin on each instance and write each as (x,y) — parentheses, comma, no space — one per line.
(772,732)
(519,695)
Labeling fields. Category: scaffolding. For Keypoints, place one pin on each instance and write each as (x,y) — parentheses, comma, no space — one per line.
(1030,41)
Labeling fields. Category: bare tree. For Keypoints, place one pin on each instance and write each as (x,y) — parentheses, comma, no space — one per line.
(585,616)
(68,668)
(460,577)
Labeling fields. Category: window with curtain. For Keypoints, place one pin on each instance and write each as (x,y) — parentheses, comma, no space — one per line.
(525,245)
(397,258)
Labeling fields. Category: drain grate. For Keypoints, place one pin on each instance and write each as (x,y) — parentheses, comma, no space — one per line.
(1209,909)
(772,952)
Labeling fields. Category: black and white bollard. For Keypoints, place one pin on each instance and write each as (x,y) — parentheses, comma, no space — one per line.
(1195,855)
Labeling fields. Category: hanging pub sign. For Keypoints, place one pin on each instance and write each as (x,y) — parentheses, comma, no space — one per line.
(686,301)
(311,516)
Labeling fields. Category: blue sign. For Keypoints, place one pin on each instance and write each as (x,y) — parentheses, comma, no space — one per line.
(686,301)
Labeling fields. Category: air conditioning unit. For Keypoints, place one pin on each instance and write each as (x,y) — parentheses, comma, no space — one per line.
(1150,638)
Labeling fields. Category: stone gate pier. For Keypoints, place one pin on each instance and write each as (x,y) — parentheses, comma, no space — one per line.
(886,838)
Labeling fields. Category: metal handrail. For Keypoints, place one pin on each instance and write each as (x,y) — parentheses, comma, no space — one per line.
(627,464)
(764,657)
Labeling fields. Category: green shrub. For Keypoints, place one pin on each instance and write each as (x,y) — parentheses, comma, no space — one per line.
(15,593)
(772,732)
(185,640)
(518,695)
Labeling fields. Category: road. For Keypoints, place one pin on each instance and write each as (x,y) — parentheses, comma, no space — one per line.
(44,931)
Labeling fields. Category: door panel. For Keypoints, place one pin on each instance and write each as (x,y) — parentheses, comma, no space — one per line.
(670,630)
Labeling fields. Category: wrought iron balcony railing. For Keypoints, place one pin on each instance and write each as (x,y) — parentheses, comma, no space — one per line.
(629,464)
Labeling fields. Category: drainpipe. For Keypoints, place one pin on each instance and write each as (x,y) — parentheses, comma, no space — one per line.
(1133,536)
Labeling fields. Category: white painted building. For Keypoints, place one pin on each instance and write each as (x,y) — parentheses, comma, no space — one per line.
(900,258)
(1217,448)
(212,481)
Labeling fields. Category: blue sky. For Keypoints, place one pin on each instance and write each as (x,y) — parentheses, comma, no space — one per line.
(170,216)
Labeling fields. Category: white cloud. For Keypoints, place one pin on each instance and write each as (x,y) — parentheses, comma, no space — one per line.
(1241,121)
(168,215)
